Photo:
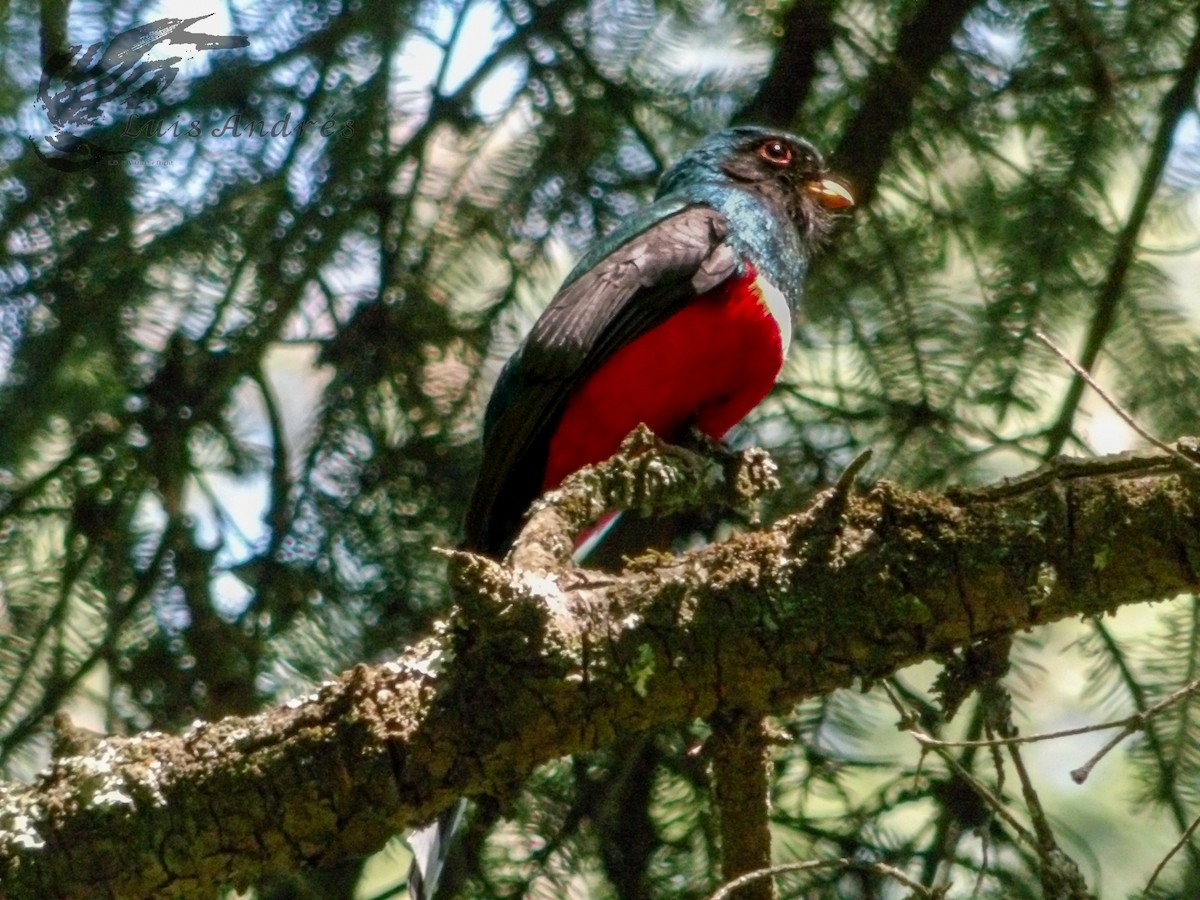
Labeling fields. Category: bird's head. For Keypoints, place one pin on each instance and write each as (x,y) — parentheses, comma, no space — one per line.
(786,170)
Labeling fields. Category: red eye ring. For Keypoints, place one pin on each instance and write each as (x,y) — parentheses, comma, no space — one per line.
(776,152)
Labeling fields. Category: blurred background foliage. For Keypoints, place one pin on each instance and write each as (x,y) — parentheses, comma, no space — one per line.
(243,372)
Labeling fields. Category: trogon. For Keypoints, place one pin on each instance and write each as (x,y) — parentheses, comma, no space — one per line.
(680,317)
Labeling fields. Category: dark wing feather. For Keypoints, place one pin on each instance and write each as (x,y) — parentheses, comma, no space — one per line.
(667,254)
(622,295)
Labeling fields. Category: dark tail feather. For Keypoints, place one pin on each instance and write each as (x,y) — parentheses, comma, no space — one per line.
(430,847)
(631,535)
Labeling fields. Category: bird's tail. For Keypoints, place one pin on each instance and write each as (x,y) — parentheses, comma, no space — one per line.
(587,542)
(430,847)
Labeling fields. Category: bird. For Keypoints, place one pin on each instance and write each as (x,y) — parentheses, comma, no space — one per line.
(679,318)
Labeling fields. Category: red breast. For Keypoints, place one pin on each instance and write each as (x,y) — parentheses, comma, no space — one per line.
(709,364)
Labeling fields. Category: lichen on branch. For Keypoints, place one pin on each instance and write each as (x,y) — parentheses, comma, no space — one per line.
(540,662)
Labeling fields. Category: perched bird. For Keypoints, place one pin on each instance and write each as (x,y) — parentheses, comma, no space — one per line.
(680,317)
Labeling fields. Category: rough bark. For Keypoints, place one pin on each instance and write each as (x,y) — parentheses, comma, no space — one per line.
(546,660)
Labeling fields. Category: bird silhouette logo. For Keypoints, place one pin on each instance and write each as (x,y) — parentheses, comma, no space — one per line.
(80,86)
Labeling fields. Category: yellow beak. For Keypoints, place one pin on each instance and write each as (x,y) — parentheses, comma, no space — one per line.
(831,194)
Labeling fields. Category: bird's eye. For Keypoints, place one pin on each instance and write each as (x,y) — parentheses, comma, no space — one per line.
(776,152)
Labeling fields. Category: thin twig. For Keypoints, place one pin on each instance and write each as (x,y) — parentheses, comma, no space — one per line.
(1187,835)
(918,889)
(1033,804)
(1129,725)
(1136,722)
(1111,401)
(984,843)
(924,739)
(974,783)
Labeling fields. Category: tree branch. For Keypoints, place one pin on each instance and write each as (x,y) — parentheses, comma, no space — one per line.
(535,665)
(808,31)
(892,87)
